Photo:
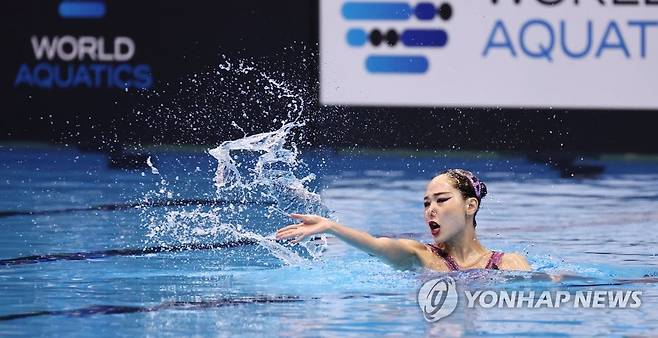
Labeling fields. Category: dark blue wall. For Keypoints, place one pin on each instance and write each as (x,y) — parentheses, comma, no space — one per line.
(175,39)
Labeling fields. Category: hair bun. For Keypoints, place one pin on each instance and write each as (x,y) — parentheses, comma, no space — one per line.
(483,190)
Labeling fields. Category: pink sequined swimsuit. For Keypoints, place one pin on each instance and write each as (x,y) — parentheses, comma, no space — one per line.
(493,263)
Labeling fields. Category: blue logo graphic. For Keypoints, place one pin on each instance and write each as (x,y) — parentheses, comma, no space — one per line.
(82,9)
(397,64)
(357,37)
(411,37)
(377,11)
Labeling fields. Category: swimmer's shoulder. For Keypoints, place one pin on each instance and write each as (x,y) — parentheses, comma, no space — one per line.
(412,245)
(426,255)
(514,261)
(421,251)
(418,247)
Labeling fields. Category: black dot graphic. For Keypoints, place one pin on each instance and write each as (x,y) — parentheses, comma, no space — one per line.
(391,37)
(376,37)
(445,11)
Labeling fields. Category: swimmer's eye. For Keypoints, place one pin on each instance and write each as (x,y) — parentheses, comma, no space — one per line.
(440,200)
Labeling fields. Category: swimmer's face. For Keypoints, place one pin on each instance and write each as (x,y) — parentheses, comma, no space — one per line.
(446,211)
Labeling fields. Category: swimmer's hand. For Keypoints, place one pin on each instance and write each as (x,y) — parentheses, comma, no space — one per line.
(310,225)
(401,253)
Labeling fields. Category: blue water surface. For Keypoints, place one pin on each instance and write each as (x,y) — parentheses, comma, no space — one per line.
(596,233)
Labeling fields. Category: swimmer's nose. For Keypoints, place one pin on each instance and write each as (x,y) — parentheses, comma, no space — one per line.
(430,212)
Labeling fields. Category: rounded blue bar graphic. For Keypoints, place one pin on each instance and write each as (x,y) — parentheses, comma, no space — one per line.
(82,9)
(357,37)
(424,38)
(397,64)
(377,11)
(425,11)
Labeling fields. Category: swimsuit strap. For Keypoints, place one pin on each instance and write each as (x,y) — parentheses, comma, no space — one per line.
(494,260)
(450,262)
(493,263)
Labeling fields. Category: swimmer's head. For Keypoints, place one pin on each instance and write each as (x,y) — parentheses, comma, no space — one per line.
(452,200)
(468,185)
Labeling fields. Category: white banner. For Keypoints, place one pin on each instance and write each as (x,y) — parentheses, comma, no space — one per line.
(490,53)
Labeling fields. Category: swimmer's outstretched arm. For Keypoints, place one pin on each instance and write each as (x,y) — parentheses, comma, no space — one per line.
(400,253)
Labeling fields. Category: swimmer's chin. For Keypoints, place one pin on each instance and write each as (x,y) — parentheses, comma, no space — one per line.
(438,239)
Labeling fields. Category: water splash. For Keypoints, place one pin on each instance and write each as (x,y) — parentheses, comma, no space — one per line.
(257,186)
(193,227)
(259,181)
(154,170)
(273,174)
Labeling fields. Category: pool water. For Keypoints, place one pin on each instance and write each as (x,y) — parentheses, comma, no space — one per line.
(96,271)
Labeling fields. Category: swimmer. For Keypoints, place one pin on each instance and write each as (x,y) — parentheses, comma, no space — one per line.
(452,200)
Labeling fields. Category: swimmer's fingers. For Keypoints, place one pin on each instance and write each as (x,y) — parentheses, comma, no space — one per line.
(289,227)
(286,235)
(299,238)
(297,235)
(287,232)
(308,219)
(311,224)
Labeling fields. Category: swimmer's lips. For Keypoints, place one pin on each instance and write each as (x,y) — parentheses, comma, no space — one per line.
(435,228)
